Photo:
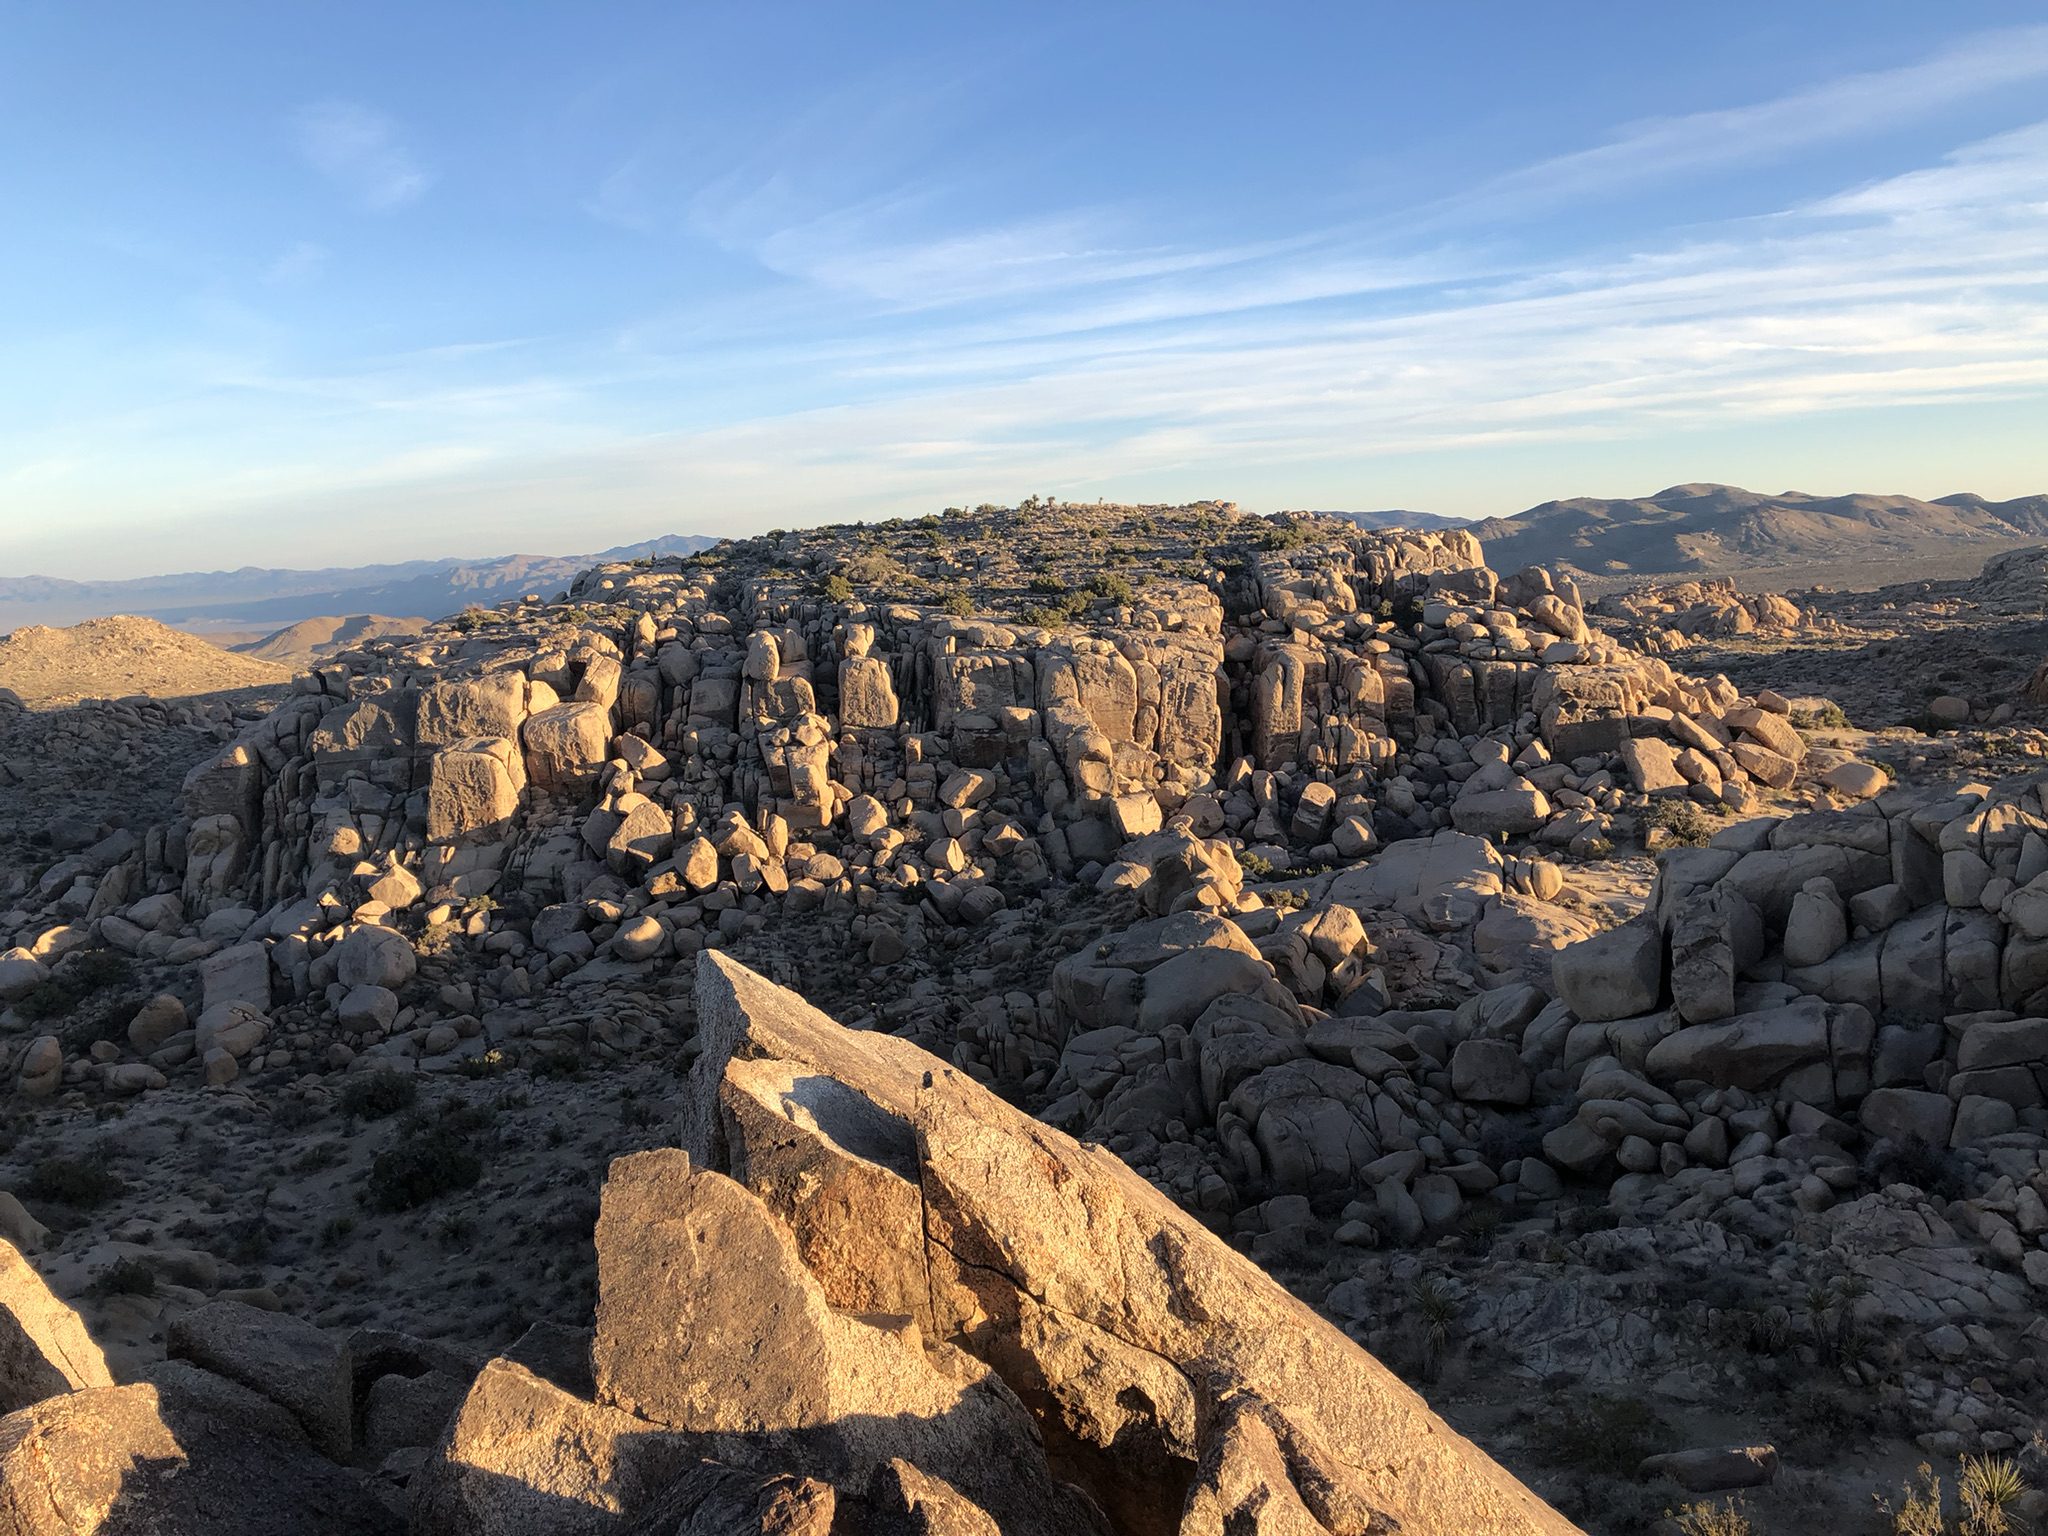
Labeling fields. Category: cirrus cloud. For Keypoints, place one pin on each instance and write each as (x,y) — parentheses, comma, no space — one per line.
(362,152)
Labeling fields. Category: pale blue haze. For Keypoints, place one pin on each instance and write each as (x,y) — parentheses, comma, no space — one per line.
(316,285)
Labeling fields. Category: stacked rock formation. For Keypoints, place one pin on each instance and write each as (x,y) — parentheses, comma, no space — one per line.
(680,748)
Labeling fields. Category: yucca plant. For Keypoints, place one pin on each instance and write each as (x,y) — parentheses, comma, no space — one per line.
(1988,1487)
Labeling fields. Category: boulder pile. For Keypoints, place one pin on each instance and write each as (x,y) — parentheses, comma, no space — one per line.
(1427,1031)
(681,751)
(1661,620)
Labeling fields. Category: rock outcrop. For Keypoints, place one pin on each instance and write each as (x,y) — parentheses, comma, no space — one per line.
(947,1307)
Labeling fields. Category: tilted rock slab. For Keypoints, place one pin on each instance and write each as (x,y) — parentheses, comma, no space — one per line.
(44,1348)
(1170,1378)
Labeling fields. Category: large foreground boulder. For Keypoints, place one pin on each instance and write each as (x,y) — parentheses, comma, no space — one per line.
(1168,1377)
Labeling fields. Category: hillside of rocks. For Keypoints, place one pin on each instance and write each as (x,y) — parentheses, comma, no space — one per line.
(122,657)
(311,641)
(1641,1067)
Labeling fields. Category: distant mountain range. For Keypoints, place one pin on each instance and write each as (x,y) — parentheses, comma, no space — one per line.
(257,599)
(1724,530)
(1427,521)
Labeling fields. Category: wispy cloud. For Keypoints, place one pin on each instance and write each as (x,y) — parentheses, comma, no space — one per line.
(361,151)
(304,262)
(1663,148)
(890,350)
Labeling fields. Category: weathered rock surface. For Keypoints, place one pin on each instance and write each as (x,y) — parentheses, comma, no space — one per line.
(44,1348)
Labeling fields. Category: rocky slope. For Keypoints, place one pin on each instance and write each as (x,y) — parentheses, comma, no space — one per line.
(310,641)
(1302,868)
(1889,656)
(120,657)
(1723,530)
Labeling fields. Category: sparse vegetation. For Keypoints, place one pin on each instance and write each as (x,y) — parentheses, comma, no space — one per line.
(1703,1517)
(430,1156)
(126,1276)
(1987,1488)
(78,979)
(1439,1310)
(1828,717)
(1680,822)
(374,1095)
(1600,1433)
(83,1183)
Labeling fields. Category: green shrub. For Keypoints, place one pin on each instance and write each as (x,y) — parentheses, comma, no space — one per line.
(79,1182)
(77,979)
(124,1277)
(1828,717)
(1114,588)
(1680,821)
(430,1156)
(836,588)
(421,1167)
(1599,1433)
(374,1095)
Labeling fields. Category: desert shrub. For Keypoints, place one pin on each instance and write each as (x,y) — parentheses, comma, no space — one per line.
(1915,1161)
(1703,1517)
(1829,717)
(431,1156)
(875,571)
(124,1277)
(835,588)
(957,602)
(294,1112)
(78,979)
(1821,1421)
(1680,821)
(489,1064)
(1258,866)
(469,620)
(1057,614)
(1294,536)
(79,1182)
(1114,588)
(1601,1432)
(374,1095)
(1919,1510)
(1987,1488)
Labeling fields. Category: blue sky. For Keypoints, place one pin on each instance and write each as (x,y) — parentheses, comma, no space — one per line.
(322,285)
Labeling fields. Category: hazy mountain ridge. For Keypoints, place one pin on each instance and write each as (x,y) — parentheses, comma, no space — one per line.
(1724,529)
(1428,522)
(257,597)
